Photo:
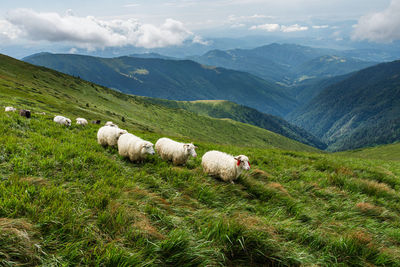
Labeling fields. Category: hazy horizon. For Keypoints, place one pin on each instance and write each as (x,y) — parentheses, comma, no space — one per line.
(74,26)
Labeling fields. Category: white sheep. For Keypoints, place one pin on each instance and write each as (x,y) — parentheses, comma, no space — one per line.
(108,136)
(8,109)
(62,120)
(81,121)
(110,123)
(177,152)
(223,165)
(134,147)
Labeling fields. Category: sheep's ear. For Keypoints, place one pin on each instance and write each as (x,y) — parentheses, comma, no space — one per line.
(237,158)
(186,145)
(196,147)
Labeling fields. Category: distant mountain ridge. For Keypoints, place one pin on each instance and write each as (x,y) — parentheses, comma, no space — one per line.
(361,110)
(285,63)
(172,79)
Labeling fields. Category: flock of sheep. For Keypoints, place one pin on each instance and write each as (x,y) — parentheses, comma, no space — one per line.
(214,163)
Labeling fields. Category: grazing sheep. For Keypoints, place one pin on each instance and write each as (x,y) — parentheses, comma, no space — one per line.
(25,113)
(81,121)
(96,122)
(108,136)
(177,152)
(225,166)
(134,147)
(8,109)
(110,123)
(62,120)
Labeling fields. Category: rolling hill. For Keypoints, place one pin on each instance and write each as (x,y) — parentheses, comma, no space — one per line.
(227,109)
(40,88)
(65,200)
(172,79)
(284,63)
(361,110)
(383,152)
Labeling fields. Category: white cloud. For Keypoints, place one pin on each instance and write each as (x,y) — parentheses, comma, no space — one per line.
(8,31)
(276,27)
(382,26)
(73,50)
(267,27)
(255,17)
(293,28)
(320,26)
(131,5)
(91,33)
(198,40)
(238,25)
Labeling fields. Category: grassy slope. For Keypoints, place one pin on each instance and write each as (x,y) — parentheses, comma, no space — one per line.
(385,152)
(227,109)
(41,89)
(66,200)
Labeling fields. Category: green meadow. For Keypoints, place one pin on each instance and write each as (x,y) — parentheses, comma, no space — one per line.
(67,201)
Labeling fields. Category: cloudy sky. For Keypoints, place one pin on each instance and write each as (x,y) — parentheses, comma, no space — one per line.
(100,24)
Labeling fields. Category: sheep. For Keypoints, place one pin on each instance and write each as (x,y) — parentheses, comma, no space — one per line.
(225,166)
(96,122)
(177,152)
(108,136)
(110,123)
(25,113)
(8,109)
(81,121)
(134,147)
(62,120)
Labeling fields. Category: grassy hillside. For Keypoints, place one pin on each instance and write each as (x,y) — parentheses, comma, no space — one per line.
(41,89)
(361,110)
(65,200)
(385,152)
(227,109)
(172,79)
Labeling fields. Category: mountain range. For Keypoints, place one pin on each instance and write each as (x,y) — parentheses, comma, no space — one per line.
(339,108)
(361,110)
(287,64)
(172,79)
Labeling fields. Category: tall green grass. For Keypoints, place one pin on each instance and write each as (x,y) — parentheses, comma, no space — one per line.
(65,200)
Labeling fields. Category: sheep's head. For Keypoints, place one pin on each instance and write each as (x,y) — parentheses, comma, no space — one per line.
(110,123)
(147,148)
(121,132)
(68,122)
(242,162)
(190,149)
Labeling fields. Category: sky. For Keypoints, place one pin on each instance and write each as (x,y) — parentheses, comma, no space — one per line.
(91,25)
